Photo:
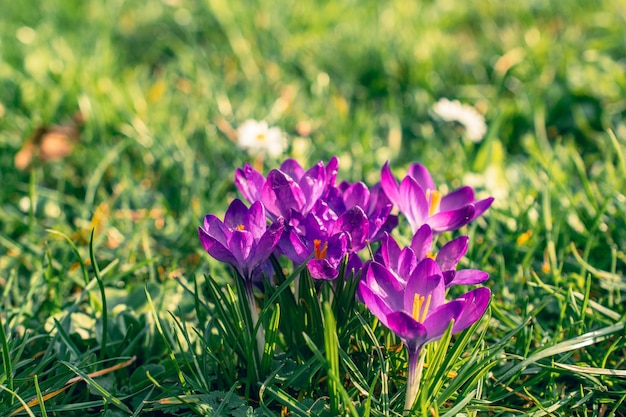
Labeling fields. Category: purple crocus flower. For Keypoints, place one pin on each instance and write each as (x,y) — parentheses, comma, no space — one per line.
(421,203)
(403,261)
(417,311)
(288,188)
(323,239)
(243,240)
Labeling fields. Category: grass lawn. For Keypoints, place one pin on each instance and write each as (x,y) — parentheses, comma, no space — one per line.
(118,134)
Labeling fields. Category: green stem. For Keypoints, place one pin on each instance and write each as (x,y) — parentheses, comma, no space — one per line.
(254,314)
(416,366)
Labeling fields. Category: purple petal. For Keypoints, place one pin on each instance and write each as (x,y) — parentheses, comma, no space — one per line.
(337,248)
(249,182)
(297,222)
(234,216)
(413,203)
(313,185)
(381,281)
(451,220)
(216,249)
(332,168)
(376,231)
(281,193)
(407,328)
(457,199)
(468,277)
(482,206)
(374,302)
(390,252)
(448,277)
(389,184)
(266,244)
(255,221)
(356,194)
(216,229)
(452,252)
(406,264)
(378,199)
(317,227)
(292,168)
(326,215)
(241,245)
(354,222)
(476,303)
(378,219)
(322,269)
(334,199)
(293,247)
(422,176)
(439,319)
(343,185)
(422,242)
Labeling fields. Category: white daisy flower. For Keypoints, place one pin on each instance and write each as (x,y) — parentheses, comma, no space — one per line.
(257,137)
(467,116)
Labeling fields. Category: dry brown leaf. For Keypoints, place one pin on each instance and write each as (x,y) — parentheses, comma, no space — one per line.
(49,143)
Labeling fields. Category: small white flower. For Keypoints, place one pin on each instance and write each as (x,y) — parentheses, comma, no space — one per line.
(467,116)
(256,137)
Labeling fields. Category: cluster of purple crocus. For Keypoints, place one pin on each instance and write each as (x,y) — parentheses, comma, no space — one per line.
(305,216)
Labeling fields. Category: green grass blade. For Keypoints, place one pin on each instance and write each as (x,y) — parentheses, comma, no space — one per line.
(272,336)
(166,341)
(586,339)
(104,313)
(42,404)
(15,395)
(97,387)
(459,406)
(7,365)
(336,385)
(331,345)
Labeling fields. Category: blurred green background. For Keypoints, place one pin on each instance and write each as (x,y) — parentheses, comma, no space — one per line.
(159,83)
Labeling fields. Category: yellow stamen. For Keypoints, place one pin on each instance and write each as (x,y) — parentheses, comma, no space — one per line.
(240,227)
(320,253)
(418,300)
(432,256)
(426,307)
(260,137)
(420,307)
(434,199)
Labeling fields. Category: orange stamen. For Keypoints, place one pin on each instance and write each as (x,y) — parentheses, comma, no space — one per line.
(240,227)
(320,253)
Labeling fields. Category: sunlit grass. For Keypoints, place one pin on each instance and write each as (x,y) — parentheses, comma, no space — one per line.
(160,84)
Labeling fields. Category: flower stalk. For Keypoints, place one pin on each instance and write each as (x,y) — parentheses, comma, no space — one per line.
(254,315)
(417,358)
